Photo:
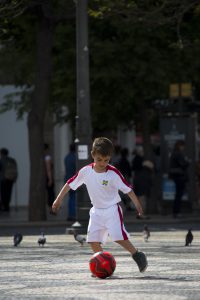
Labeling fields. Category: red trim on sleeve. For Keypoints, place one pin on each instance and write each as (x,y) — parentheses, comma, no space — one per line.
(74,177)
(112,168)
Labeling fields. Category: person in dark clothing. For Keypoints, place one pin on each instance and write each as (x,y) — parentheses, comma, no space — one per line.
(49,178)
(116,156)
(137,160)
(143,183)
(70,170)
(178,173)
(124,167)
(8,176)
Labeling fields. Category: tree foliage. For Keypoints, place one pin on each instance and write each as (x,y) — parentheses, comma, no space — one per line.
(137,49)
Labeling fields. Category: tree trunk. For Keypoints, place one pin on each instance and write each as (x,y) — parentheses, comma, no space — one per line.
(37,192)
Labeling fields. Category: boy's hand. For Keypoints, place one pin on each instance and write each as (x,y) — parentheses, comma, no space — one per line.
(56,205)
(136,202)
(139,210)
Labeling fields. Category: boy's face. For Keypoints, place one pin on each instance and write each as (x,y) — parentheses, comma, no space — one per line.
(100,162)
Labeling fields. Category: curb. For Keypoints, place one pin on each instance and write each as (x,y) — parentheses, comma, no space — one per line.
(127,221)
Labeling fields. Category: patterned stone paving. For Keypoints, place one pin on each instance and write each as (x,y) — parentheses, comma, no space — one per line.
(60,269)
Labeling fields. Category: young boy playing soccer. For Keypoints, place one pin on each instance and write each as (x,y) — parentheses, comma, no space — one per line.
(103,182)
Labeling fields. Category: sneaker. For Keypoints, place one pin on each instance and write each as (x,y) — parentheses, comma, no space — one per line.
(141,260)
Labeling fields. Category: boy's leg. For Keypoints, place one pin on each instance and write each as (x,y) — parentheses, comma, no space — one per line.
(139,257)
(96,247)
(126,244)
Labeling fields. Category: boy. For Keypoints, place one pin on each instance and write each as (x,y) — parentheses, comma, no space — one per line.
(103,182)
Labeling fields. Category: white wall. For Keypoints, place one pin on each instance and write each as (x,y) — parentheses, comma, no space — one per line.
(14,137)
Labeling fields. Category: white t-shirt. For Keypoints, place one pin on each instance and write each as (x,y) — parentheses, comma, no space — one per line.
(102,187)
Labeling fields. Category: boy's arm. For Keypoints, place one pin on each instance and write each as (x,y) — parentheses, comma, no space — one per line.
(57,203)
(136,202)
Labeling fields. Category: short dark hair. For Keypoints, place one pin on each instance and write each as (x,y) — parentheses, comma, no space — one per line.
(102,146)
(72,147)
(4,152)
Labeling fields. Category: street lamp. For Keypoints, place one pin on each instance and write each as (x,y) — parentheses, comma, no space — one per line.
(83,118)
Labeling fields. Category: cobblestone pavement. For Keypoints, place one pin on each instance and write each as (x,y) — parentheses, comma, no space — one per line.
(60,270)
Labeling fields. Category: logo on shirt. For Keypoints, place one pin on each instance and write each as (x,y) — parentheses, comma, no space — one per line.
(105,182)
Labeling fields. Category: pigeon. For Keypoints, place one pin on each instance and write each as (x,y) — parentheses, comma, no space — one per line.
(17,239)
(42,240)
(188,238)
(146,233)
(79,238)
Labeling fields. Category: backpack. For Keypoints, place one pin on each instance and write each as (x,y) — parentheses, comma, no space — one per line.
(10,169)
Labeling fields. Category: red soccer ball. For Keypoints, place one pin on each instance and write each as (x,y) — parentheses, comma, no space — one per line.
(102,264)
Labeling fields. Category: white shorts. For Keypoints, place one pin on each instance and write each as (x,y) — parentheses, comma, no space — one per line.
(104,222)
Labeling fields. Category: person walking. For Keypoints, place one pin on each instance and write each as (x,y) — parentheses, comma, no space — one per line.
(178,173)
(137,160)
(49,178)
(70,169)
(103,181)
(142,183)
(8,176)
(124,167)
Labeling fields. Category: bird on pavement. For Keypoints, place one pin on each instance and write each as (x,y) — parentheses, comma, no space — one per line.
(17,239)
(79,238)
(189,238)
(42,240)
(146,233)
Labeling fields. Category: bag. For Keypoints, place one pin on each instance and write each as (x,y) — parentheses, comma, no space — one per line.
(10,171)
